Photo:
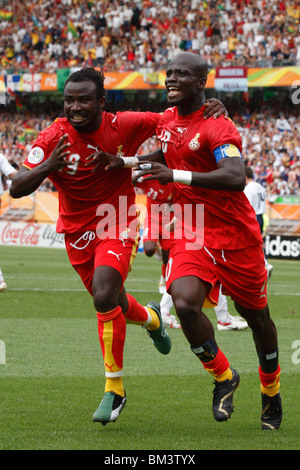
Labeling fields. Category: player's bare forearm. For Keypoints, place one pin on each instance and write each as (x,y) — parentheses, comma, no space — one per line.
(27,181)
(156,156)
(109,161)
(229,176)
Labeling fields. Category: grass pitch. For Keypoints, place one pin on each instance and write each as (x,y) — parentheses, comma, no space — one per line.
(52,376)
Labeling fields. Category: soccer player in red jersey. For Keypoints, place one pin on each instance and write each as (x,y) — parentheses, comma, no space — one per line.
(157,216)
(159,199)
(97,214)
(157,236)
(203,158)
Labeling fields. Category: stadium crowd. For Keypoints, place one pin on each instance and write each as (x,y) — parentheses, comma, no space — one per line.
(120,35)
(270,142)
(44,35)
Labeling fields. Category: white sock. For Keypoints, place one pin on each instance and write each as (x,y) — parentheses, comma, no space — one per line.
(166,303)
(221,309)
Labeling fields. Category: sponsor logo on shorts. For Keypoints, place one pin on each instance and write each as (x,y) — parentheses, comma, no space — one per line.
(84,240)
(115,254)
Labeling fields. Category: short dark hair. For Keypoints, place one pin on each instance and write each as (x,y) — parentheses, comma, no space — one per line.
(89,74)
(249,172)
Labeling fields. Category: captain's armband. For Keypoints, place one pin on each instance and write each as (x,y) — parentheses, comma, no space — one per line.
(226,151)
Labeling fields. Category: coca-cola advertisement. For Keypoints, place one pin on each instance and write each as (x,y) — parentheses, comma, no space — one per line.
(30,234)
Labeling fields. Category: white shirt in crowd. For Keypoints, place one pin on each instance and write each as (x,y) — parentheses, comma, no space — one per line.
(6,169)
(256,195)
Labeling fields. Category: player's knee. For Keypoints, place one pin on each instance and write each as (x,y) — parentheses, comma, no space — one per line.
(104,300)
(150,248)
(150,251)
(256,319)
(184,309)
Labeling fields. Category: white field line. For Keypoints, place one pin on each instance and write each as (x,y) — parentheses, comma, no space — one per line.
(38,289)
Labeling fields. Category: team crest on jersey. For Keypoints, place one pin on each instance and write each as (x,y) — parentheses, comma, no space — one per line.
(194,143)
(36,155)
(119,151)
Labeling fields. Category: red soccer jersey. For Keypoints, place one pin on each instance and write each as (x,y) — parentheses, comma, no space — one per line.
(159,197)
(188,143)
(82,192)
(156,192)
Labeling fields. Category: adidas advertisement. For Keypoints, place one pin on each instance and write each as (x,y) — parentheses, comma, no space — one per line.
(282,247)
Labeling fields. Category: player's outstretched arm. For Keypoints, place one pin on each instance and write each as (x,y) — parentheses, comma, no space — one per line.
(229,176)
(26,181)
(109,161)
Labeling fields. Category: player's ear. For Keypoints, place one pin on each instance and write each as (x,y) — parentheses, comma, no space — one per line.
(201,82)
(102,101)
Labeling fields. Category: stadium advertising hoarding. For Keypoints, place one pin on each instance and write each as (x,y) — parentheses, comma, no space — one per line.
(252,77)
(282,247)
(45,235)
(35,234)
(30,234)
(231,79)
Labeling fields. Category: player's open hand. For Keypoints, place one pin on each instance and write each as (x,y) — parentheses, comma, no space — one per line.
(214,108)
(155,171)
(109,161)
(59,157)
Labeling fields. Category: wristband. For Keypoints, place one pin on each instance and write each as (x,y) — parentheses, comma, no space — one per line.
(130,162)
(181,176)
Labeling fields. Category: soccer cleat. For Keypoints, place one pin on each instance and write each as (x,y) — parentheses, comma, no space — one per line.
(223,397)
(110,408)
(160,337)
(3,286)
(271,414)
(233,323)
(170,321)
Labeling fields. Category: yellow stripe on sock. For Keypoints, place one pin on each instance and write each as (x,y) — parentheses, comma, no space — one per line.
(271,389)
(109,360)
(227,375)
(155,323)
(115,384)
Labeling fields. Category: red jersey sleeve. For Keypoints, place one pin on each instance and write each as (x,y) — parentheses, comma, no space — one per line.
(222,131)
(43,145)
(136,128)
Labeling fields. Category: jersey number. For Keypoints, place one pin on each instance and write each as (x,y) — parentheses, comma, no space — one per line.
(261,199)
(73,162)
(164,137)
